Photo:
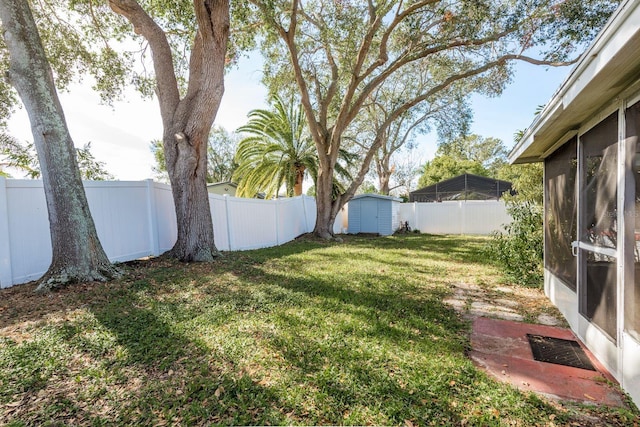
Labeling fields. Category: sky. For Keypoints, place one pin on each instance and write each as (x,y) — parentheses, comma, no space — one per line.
(120,135)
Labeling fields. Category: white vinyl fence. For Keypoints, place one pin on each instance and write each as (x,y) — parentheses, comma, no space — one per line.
(135,219)
(463,217)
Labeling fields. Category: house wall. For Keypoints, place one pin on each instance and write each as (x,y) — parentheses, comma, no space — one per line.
(618,351)
(137,219)
(222,189)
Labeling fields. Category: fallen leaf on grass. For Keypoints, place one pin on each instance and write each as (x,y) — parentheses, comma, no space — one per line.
(218,391)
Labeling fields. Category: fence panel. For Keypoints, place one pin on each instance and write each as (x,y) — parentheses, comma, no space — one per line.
(291,219)
(311,212)
(137,218)
(470,217)
(120,212)
(252,223)
(339,225)
(29,237)
(167,227)
(484,217)
(440,218)
(218,206)
(6,275)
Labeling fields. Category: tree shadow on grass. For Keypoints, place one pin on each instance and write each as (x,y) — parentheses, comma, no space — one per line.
(151,369)
(120,363)
(185,381)
(340,344)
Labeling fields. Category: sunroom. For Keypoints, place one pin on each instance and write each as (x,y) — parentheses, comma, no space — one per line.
(587,137)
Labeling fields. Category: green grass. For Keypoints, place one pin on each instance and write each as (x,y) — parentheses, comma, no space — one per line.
(308,333)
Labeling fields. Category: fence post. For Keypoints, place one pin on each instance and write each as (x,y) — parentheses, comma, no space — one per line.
(226,209)
(152,217)
(277,227)
(415,216)
(304,212)
(6,275)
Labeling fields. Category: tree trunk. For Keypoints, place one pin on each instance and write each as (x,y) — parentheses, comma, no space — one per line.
(328,207)
(187,168)
(325,205)
(384,184)
(77,252)
(187,121)
(297,188)
(384,173)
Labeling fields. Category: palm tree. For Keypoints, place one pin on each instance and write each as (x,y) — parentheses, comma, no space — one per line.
(278,151)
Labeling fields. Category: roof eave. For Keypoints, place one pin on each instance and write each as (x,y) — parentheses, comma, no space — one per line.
(604,70)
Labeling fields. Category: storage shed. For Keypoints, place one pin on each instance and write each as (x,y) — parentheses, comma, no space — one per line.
(373,213)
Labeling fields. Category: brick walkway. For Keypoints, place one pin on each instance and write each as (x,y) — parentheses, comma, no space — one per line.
(502,316)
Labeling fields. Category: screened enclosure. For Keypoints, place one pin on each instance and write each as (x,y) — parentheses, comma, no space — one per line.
(598,220)
(632,226)
(462,187)
(592,184)
(561,171)
(587,137)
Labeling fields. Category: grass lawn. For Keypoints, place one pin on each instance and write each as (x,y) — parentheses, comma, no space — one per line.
(308,333)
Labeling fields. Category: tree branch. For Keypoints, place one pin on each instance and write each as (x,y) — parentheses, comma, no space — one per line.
(143,24)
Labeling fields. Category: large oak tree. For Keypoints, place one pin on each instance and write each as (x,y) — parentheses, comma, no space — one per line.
(340,52)
(447,113)
(182,46)
(77,252)
(187,118)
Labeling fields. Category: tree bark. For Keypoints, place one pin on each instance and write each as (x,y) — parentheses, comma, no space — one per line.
(383,183)
(78,255)
(325,204)
(382,161)
(297,188)
(187,121)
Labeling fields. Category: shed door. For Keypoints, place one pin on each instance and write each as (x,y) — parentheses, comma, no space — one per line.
(369,216)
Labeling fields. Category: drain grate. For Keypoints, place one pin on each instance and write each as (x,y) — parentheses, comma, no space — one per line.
(559,351)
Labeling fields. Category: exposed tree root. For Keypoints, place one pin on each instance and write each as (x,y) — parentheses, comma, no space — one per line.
(197,255)
(324,235)
(59,277)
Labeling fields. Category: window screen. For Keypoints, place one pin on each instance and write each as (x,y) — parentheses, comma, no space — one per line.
(599,222)
(632,287)
(560,171)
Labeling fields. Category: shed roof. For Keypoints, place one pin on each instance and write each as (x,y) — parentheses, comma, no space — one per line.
(376,196)
(460,187)
(608,67)
(217,184)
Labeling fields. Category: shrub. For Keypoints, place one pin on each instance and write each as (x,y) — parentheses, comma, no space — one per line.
(519,249)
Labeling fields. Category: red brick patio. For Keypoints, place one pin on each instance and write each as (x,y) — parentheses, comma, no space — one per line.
(501,348)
